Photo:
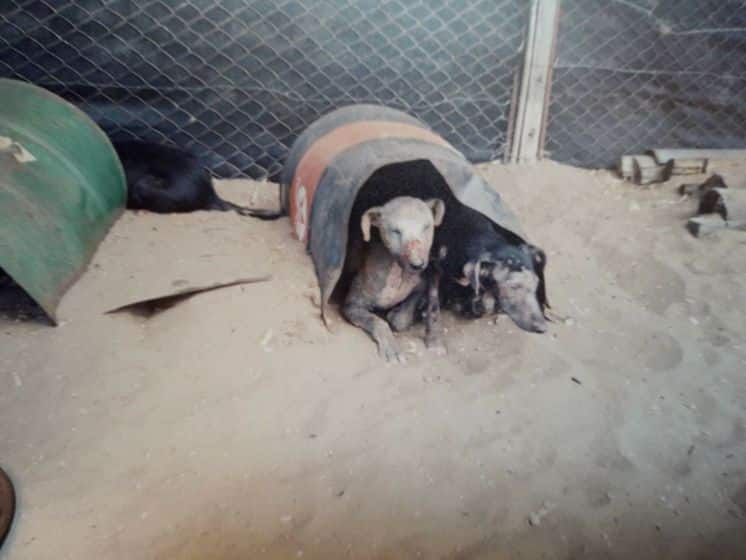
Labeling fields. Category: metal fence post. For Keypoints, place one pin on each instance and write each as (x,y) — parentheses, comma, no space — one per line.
(533,100)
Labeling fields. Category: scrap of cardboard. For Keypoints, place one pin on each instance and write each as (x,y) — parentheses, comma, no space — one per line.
(151,306)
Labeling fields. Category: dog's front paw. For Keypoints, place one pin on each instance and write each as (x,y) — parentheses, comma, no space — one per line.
(436,345)
(389,351)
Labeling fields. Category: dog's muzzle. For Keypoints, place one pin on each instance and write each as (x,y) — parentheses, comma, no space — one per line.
(416,255)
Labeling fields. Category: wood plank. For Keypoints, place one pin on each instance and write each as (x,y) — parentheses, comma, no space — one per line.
(715,181)
(729,203)
(707,224)
(664,155)
(537,66)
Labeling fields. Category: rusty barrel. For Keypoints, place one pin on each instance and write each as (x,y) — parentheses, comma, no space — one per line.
(61,189)
(335,156)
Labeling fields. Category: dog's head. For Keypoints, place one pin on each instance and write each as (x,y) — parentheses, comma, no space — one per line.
(406,226)
(511,280)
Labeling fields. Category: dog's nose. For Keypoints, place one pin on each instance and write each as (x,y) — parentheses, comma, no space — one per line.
(419,266)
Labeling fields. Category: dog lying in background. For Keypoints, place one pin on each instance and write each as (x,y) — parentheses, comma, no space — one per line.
(164,179)
(390,279)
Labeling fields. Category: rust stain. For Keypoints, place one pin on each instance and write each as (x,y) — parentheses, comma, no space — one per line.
(326,149)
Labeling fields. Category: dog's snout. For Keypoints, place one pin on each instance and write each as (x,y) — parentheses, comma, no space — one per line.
(419,265)
(539,325)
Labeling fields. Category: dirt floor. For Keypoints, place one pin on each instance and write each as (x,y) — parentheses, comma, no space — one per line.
(235,426)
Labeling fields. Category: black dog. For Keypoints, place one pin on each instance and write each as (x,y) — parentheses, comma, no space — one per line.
(483,269)
(165,179)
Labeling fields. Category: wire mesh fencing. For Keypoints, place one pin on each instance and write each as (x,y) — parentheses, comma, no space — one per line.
(238,80)
(631,75)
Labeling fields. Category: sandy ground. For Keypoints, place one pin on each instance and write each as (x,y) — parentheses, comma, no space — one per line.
(234,426)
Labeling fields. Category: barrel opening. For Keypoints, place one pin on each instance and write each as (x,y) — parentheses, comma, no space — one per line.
(418,178)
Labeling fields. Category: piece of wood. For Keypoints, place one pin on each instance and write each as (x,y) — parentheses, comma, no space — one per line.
(715,181)
(510,133)
(151,306)
(548,86)
(706,224)
(537,67)
(719,209)
(729,203)
(689,166)
(683,164)
(645,170)
(627,168)
(702,226)
(664,155)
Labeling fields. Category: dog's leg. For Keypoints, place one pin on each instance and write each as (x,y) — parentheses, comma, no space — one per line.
(403,315)
(376,327)
(433,327)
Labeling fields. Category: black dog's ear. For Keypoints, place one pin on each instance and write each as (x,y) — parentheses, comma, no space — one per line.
(473,275)
(476,278)
(539,258)
(485,270)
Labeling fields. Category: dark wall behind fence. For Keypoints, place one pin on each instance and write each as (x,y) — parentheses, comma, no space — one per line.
(639,74)
(239,79)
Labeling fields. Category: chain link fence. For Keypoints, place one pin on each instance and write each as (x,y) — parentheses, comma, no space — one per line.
(238,80)
(631,75)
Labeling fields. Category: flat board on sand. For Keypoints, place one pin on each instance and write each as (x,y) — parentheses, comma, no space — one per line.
(149,256)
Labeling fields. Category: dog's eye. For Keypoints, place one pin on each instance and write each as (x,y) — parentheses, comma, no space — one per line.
(396,232)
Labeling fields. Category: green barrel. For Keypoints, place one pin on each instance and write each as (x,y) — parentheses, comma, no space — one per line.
(61,189)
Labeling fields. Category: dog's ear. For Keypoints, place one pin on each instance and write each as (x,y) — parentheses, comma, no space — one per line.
(476,278)
(438,208)
(474,274)
(539,258)
(371,217)
(466,279)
